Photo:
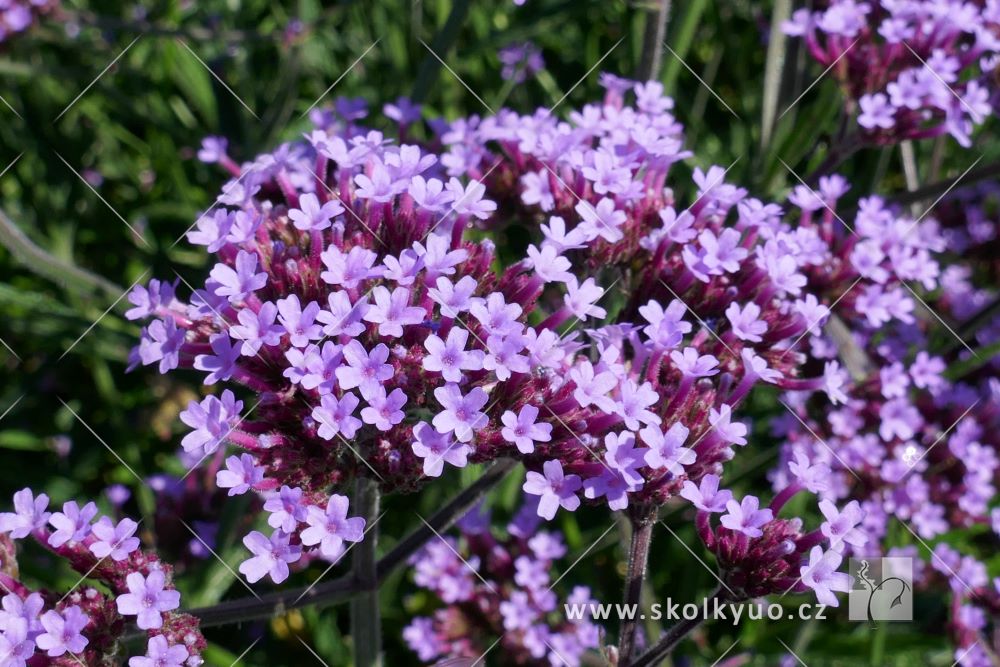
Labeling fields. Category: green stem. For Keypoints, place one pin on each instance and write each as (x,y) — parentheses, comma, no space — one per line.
(366,618)
(653,34)
(38,261)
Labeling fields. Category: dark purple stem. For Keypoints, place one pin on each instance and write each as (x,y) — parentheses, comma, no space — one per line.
(638,557)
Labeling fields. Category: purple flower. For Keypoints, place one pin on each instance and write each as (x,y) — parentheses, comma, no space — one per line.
(147,599)
(843,525)
(15,646)
(256,329)
(548,264)
(692,364)
(523,429)
(666,327)
(377,187)
(365,370)
(666,449)
(746,323)
(212,149)
(299,322)
(150,299)
(731,432)
(392,311)
(29,514)
(602,220)
(310,216)
(241,473)
(421,638)
(113,540)
(580,299)
(270,556)
(403,111)
(161,341)
(624,457)
(813,476)
(592,387)
(336,416)
(707,497)
(72,524)
(449,356)
(468,199)
(746,517)
(222,364)
(876,112)
(496,315)
(159,653)
(63,632)
(821,575)
(331,528)
(430,194)
(502,356)
(343,317)
(212,420)
(348,269)
(383,411)
(556,490)
(606,175)
(634,404)
(612,485)
(436,449)
(461,413)
(899,419)
(454,298)
(239,283)
(287,509)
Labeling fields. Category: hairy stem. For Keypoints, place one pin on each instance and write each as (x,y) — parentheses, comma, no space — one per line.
(673,636)
(366,619)
(773,66)
(347,586)
(638,557)
(39,261)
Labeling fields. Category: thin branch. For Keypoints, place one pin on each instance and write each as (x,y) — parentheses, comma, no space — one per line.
(366,619)
(933,190)
(653,36)
(345,587)
(43,263)
(674,635)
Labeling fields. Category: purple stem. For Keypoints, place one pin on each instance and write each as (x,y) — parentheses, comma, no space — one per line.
(642,536)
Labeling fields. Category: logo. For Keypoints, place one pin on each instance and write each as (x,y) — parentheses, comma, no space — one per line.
(881,590)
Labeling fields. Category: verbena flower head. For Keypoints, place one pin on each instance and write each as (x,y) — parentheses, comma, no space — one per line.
(84,624)
(496,586)
(910,69)
(374,338)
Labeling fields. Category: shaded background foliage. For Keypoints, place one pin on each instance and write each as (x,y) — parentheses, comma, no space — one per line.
(101,176)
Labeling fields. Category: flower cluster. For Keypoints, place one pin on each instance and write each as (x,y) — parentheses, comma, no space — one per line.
(83,625)
(499,586)
(910,441)
(379,341)
(911,69)
(760,554)
(594,187)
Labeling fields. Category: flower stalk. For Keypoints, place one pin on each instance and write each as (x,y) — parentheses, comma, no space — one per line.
(366,621)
